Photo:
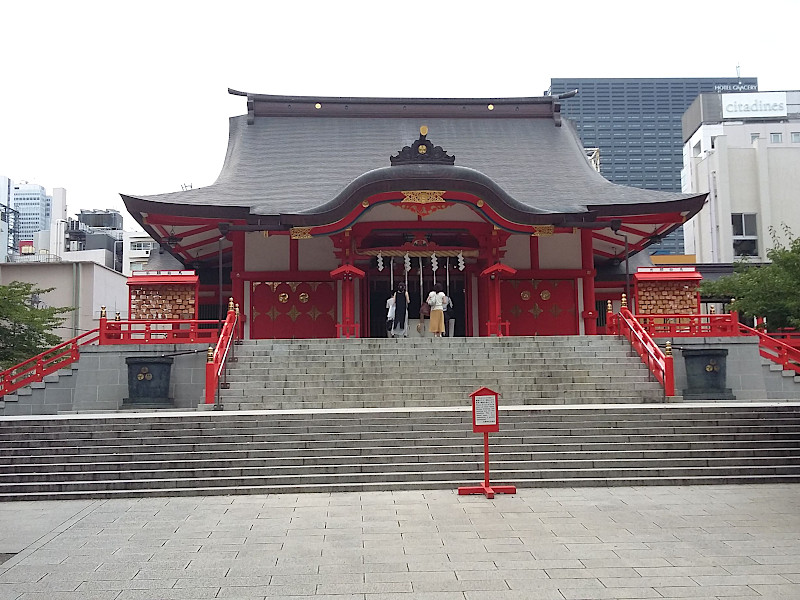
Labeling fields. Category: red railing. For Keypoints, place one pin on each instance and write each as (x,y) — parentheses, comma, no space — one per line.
(34,369)
(173,331)
(177,331)
(724,325)
(790,337)
(216,365)
(775,350)
(659,362)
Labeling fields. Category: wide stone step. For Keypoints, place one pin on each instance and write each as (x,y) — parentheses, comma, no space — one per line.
(399,465)
(90,466)
(402,426)
(616,416)
(276,452)
(378,439)
(722,446)
(433,478)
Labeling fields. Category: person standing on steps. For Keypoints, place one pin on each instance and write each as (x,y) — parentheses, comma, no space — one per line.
(436,300)
(448,314)
(400,302)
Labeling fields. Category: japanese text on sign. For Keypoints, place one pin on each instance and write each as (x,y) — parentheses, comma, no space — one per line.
(485,410)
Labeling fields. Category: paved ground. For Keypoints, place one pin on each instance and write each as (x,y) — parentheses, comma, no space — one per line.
(731,542)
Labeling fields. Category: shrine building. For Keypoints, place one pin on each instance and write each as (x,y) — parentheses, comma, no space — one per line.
(324,204)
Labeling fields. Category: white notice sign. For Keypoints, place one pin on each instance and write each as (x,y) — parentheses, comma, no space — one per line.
(485,410)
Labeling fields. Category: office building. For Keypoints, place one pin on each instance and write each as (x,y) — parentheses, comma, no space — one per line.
(636,125)
(8,219)
(37,211)
(744,150)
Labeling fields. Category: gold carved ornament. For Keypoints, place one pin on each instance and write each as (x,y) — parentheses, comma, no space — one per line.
(423,196)
(300,233)
(423,202)
(542,230)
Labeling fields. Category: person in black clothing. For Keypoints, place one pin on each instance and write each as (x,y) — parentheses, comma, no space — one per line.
(400,301)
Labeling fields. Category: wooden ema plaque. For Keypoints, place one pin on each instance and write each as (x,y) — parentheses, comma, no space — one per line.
(485,419)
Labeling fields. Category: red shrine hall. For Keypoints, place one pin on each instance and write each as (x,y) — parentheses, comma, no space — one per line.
(324,205)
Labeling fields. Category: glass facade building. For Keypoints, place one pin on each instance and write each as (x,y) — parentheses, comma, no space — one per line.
(636,125)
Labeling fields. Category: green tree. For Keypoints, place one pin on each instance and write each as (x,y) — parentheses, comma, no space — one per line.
(25,329)
(771,290)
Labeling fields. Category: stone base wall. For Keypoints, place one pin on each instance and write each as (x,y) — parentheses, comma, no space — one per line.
(98,382)
(745,376)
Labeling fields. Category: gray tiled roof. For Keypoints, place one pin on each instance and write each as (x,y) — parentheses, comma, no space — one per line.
(286,165)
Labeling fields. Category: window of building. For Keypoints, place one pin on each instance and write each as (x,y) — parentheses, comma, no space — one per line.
(745,234)
(796,137)
(775,138)
(143,245)
(754,137)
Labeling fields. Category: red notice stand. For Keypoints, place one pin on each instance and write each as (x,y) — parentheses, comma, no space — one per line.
(484,420)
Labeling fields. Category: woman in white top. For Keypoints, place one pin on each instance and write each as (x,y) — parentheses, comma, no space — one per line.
(436,300)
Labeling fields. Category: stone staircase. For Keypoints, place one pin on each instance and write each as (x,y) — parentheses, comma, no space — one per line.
(54,393)
(207,453)
(382,373)
(781,384)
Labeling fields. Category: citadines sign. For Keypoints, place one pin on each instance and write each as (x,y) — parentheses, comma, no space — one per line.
(748,106)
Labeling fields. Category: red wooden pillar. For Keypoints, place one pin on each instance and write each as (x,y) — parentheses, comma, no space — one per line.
(495,324)
(237,283)
(348,326)
(589,313)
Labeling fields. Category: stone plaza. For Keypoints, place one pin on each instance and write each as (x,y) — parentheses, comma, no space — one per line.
(571,543)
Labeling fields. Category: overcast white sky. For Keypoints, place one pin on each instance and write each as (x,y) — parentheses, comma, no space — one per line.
(109,97)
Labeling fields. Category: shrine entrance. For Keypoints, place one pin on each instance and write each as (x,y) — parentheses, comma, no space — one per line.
(380,289)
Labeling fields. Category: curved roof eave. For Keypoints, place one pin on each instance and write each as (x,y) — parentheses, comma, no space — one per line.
(425,177)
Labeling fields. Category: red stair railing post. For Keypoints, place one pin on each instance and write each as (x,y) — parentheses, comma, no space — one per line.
(211,379)
(103,326)
(669,371)
(611,322)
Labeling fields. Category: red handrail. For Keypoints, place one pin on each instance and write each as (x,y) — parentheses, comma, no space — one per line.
(168,331)
(217,357)
(175,331)
(34,369)
(659,363)
(775,350)
(676,325)
(788,337)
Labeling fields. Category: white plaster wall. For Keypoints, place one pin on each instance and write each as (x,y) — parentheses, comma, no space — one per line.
(109,289)
(387,212)
(266,253)
(784,177)
(518,252)
(744,180)
(459,212)
(95,286)
(560,251)
(316,254)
